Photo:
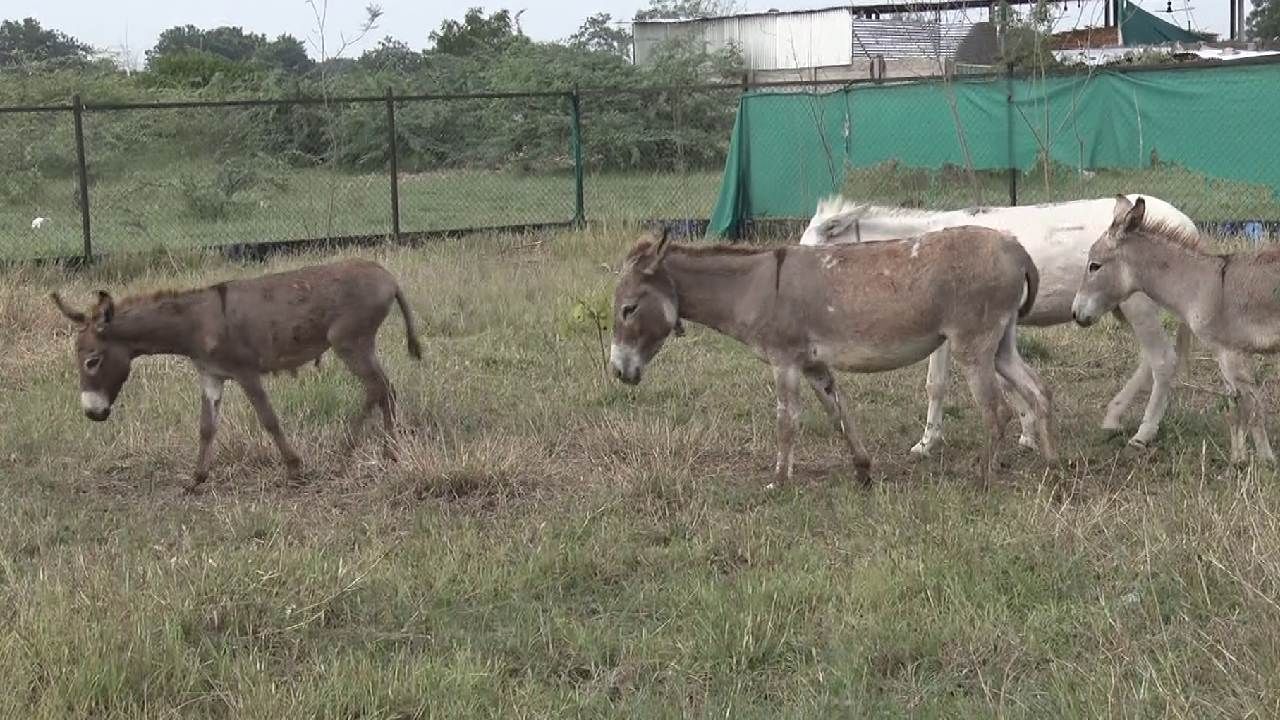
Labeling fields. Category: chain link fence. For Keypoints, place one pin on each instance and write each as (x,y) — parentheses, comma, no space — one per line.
(258,173)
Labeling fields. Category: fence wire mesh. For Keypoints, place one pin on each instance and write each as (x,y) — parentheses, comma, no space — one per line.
(39,194)
(177,175)
(481,163)
(207,176)
(656,155)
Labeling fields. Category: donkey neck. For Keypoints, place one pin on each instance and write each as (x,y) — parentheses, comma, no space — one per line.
(721,290)
(162,324)
(1182,279)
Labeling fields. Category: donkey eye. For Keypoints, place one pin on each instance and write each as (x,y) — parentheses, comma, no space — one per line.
(1095,267)
(627,310)
(92,362)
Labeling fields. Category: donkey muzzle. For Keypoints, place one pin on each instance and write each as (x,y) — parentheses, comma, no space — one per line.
(625,364)
(96,406)
(629,378)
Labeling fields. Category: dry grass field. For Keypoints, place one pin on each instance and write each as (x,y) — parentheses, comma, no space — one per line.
(553,544)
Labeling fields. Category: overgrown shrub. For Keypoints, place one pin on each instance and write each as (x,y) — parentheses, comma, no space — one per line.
(215,198)
(624,131)
(19,188)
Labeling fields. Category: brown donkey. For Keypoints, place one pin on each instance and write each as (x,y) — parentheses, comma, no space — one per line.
(866,307)
(1231,302)
(239,330)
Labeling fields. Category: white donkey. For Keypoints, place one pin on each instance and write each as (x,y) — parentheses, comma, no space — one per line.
(1057,236)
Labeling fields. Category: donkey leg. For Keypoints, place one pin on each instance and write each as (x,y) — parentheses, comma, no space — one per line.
(252,385)
(362,361)
(786,380)
(1026,414)
(1158,357)
(1250,406)
(1140,381)
(824,386)
(1227,363)
(1028,386)
(981,374)
(935,387)
(210,404)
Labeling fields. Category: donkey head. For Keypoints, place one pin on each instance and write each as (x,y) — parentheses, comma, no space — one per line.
(1108,276)
(103,363)
(644,309)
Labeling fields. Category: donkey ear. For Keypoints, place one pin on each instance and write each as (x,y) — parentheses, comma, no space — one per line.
(659,251)
(1121,212)
(74,316)
(1133,219)
(105,310)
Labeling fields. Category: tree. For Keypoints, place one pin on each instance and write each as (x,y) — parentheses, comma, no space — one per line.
(26,41)
(196,69)
(1264,21)
(476,33)
(1026,44)
(598,34)
(285,53)
(685,9)
(228,43)
(231,43)
(391,55)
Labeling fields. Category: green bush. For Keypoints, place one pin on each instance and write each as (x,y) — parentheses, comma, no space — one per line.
(624,131)
(20,188)
(216,198)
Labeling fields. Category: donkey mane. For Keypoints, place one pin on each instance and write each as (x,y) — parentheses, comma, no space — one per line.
(1174,234)
(838,206)
(149,298)
(645,246)
(874,211)
(723,249)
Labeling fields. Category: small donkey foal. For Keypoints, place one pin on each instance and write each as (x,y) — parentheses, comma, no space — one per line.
(239,330)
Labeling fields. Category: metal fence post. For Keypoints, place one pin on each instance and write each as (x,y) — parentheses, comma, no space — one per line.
(579,200)
(1013,167)
(82,174)
(394,165)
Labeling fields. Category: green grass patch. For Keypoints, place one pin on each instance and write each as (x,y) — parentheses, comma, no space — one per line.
(553,544)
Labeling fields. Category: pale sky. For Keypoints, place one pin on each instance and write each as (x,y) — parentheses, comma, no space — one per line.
(114,24)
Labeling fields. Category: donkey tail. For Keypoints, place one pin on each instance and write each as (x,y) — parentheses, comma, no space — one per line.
(411,334)
(1181,348)
(1032,276)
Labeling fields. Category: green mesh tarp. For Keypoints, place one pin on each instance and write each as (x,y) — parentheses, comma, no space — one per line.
(1139,27)
(790,149)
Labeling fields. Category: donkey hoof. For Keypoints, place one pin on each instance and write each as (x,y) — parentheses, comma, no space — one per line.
(1136,448)
(1028,442)
(925,449)
(197,483)
(1111,434)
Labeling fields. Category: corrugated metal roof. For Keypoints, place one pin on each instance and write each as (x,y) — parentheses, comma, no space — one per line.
(813,39)
(768,42)
(883,6)
(906,39)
